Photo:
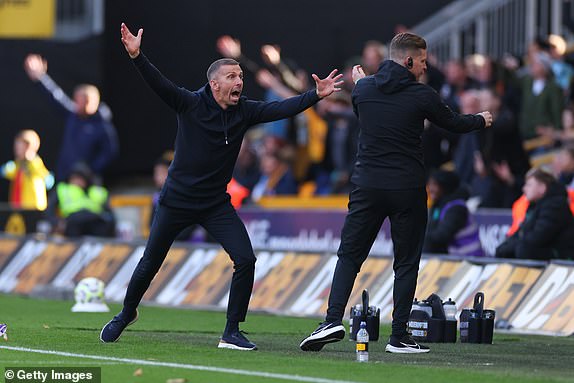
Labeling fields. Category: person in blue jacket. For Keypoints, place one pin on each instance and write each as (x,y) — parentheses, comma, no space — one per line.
(89,135)
(211,124)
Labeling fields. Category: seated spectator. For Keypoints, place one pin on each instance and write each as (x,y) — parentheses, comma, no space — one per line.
(563,166)
(451,228)
(78,207)
(27,174)
(276,177)
(547,231)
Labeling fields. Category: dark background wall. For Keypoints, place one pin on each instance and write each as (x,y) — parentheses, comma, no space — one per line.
(179,38)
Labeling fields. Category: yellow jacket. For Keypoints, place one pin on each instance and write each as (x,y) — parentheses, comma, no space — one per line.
(27,183)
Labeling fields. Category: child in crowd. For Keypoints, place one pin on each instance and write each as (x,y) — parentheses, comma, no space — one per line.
(27,174)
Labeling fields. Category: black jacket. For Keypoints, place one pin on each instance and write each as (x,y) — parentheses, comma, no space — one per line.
(547,231)
(392,106)
(208,137)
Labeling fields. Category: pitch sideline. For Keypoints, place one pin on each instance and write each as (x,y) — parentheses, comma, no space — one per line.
(262,374)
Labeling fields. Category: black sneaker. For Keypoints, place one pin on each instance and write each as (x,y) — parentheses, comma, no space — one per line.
(327,332)
(236,341)
(114,328)
(405,345)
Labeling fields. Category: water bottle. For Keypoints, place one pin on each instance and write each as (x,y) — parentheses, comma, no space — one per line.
(362,343)
(449,309)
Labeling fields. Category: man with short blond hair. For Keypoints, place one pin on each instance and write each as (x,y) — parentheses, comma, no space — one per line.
(389,178)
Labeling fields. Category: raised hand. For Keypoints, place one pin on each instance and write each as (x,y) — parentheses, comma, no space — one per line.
(271,54)
(358,73)
(35,66)
(131,43)
(329,84)
(229,47)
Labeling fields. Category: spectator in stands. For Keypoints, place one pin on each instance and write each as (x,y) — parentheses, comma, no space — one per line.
(563,72)
(542,100)
(276,176)
(374,53)
(451,228)
(468,144)
(456,82)
(160,170)
(89,135)
(246,171)
(563,166)
(502,163)
(341,142)
(27,174)
(79,207)
(547,231)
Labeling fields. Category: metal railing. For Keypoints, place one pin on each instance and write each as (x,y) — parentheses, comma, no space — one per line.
(490,27)
(78,19)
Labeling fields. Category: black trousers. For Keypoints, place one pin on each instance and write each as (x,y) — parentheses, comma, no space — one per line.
(223,224)
(368,208)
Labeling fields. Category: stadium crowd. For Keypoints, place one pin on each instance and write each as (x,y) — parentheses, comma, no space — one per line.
(531,99)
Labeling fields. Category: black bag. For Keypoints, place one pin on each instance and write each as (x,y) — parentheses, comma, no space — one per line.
(365,313)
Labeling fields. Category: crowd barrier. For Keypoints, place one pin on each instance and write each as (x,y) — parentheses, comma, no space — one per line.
(533,297)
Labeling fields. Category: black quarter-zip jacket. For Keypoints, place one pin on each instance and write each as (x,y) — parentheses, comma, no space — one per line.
(392,106)
(208,137)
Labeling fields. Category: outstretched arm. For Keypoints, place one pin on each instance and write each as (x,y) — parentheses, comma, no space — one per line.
(272,111)
(177,98)
(440,114)
(36,68)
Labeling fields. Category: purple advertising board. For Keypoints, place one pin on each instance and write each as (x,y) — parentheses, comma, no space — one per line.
(319,230)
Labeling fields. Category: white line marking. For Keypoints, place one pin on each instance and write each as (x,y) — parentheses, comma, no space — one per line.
(262,374)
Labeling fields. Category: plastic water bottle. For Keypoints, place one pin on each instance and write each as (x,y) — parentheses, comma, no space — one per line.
(362,343)
(450,309)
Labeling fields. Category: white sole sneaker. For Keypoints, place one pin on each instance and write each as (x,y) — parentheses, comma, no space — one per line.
(231,346)
(405,350)
(316,341)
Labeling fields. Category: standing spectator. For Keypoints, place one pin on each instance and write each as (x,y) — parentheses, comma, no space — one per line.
(451,228)
(502,162)
(27,174)
(547,231)
(89,135)
(542,100)
(373,55)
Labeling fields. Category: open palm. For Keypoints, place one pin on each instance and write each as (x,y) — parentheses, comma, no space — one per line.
(131,43)
(331,83)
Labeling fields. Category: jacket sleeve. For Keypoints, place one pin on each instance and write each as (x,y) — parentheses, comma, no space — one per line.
(440,114)
(60,99)
(544,230)
(442,235)
(177,98)
(260,111)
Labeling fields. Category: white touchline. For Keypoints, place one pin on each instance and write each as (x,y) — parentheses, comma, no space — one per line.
(262,374)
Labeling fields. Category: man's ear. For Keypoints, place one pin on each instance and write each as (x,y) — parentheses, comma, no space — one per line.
(214,84)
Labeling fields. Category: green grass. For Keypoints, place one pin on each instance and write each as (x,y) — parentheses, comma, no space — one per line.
(190,337)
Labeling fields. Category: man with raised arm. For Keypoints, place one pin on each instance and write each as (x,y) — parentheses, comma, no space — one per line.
(211,124)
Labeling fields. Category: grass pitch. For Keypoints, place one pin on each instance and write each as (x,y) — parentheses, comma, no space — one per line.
(169,343)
